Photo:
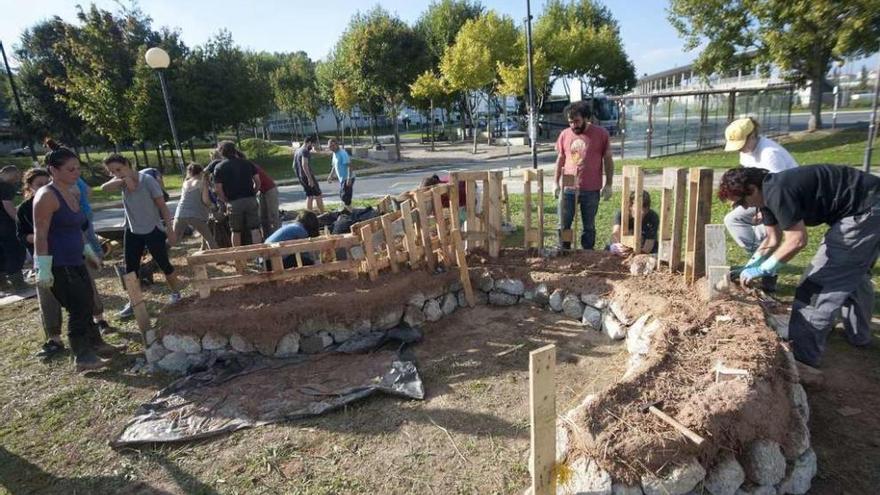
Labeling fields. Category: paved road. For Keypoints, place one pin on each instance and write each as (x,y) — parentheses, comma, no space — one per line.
(373,186)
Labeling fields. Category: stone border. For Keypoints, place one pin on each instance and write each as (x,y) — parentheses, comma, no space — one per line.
(763,470)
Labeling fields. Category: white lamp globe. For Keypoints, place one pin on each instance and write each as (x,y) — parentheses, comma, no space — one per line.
(157,58)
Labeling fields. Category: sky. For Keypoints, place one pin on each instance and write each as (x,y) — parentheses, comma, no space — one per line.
(315,26)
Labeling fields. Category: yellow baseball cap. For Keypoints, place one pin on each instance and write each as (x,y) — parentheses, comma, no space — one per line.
(737,133)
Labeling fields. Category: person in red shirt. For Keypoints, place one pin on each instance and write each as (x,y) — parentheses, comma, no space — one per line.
(270,216)
(584,150)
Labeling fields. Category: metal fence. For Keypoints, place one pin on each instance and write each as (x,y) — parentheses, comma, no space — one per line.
(662,124)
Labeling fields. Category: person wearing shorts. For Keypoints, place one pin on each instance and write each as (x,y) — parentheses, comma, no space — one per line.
(236,183)
(302,167)
(145,211)
(342,170)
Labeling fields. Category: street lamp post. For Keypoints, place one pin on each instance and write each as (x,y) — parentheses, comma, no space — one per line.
(533,120)
(159,60)
(18,105)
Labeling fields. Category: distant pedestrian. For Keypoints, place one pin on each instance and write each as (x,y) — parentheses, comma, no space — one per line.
(61,255)
(11,250)
(160,178)
(148,223)
(744,223)
(302,167)
(270,213)
(584,150)
(343,171)
(192,207)
(236,183)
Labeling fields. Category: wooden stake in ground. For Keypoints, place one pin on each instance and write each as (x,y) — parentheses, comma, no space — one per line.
(136,298)
(461,261)
(533,234)
(493,215)
(672,213)
(567,235)
(542,412)
(633,179)
(699,211)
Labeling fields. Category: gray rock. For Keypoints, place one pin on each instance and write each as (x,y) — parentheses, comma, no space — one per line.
(799,438)
(155,352)
(757,490)
(340,334)
(587,478)
(316,343)
(572,306)
(312,326)
(510,286)
(678,481)
(779,323)
(181,343)
(150,336)
(639,335)
(240,344)
(620,489)
(212,341)
(594,300)
(620,313)
(200,359)
(288,345)
(455,286)
(485,283)
(502,299)
(418,300)
(389,319)
(413,316)
(764,463)
(462,299)
(176,362)
(529,295)
(561,440)
(555,300)
(433,311)
(542,295)
(799,399)
(613,328)
(265,347)
(362,326)
(449,304)
(357,252)
(725,478)
(481,297)
(592,318)
(801,478)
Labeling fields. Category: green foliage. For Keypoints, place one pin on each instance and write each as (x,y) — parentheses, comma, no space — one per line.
(582,39)
(800,38)
(427,90)
(255,148)
(440,23)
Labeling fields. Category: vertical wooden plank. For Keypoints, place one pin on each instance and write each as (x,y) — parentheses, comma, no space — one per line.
(422,202)
(542,412)
(201,272)
(277,264)
(299,260)
(136,298)
(470,209)
(453,203)
(540,208)
(638,179)
(625,214)
(461,261)
(718,280)
(678,216)
(410,239)
(483,217)
(440,220)
(493,216)
(390,245)
(567,235)
(506,200)
(369,253)
(699,209)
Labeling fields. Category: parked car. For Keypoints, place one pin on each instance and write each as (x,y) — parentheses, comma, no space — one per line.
(26,151)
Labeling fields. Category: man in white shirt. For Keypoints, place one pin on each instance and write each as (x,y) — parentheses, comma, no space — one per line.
(756,151)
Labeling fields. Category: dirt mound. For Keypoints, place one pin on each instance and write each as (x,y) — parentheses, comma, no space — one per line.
(679,371)
(269,311)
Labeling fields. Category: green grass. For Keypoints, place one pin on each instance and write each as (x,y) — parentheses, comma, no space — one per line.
(844,147)
(789,276)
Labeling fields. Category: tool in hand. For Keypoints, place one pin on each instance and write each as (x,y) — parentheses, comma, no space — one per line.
(653,407)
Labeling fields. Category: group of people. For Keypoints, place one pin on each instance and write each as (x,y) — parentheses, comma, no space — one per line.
(773,201)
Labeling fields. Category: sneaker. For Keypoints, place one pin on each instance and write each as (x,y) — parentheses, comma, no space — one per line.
(89,362)
(127,312)
(174,298)
(49,349)
(105,327)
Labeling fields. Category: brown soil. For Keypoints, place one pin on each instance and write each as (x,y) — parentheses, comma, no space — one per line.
(679,372)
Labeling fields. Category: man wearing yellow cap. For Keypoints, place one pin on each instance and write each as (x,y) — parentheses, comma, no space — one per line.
(756,151)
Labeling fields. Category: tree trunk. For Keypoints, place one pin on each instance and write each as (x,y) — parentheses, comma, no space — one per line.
(146,156)
(471,109)
(489,111)
(815,122)
(431,123)
(237,136)
(86,151)
(373,129)
(159,158)
(317,138)
(396,130)
(137,160)
(192,150)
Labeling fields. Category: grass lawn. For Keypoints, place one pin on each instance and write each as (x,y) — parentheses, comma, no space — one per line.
(842,147)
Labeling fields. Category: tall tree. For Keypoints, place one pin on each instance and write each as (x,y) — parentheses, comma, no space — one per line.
(327,73)
(581,39)
(440,23)
(471,64)
(800,38)
(430,89)
(383,55)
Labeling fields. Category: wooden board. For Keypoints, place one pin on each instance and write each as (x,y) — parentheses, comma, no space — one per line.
(284,248)
(699,211)
(292,274)
(410,240)
(493,213)
(136,298)
(542,413)
(390,245)
(540,208)
(461,261)
(633,184)
(672,216)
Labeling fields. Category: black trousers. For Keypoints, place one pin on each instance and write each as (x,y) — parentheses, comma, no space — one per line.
(73,290)
(154,242)
(12,254)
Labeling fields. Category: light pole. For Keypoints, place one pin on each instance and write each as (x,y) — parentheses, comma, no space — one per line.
(872,126)
(159,60)
(18,105)
(533,120)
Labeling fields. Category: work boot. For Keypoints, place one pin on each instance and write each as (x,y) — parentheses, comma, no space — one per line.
(98,344)
(18,283)
(88,361)
(50,349)
(105,327)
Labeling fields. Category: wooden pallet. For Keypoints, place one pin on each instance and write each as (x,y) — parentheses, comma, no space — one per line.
(699,212)
(633,182)
(533,234)
(672,217)
(483,228)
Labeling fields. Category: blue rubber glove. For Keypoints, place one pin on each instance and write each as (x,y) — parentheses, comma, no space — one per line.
(768,268)
(749,274)
(90,255)
(45,279)
(756,259)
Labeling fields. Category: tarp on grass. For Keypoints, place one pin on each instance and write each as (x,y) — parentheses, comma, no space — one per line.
(241,392)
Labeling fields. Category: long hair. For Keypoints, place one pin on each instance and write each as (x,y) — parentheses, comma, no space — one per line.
(309,221)
(228,150)
(28,179)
